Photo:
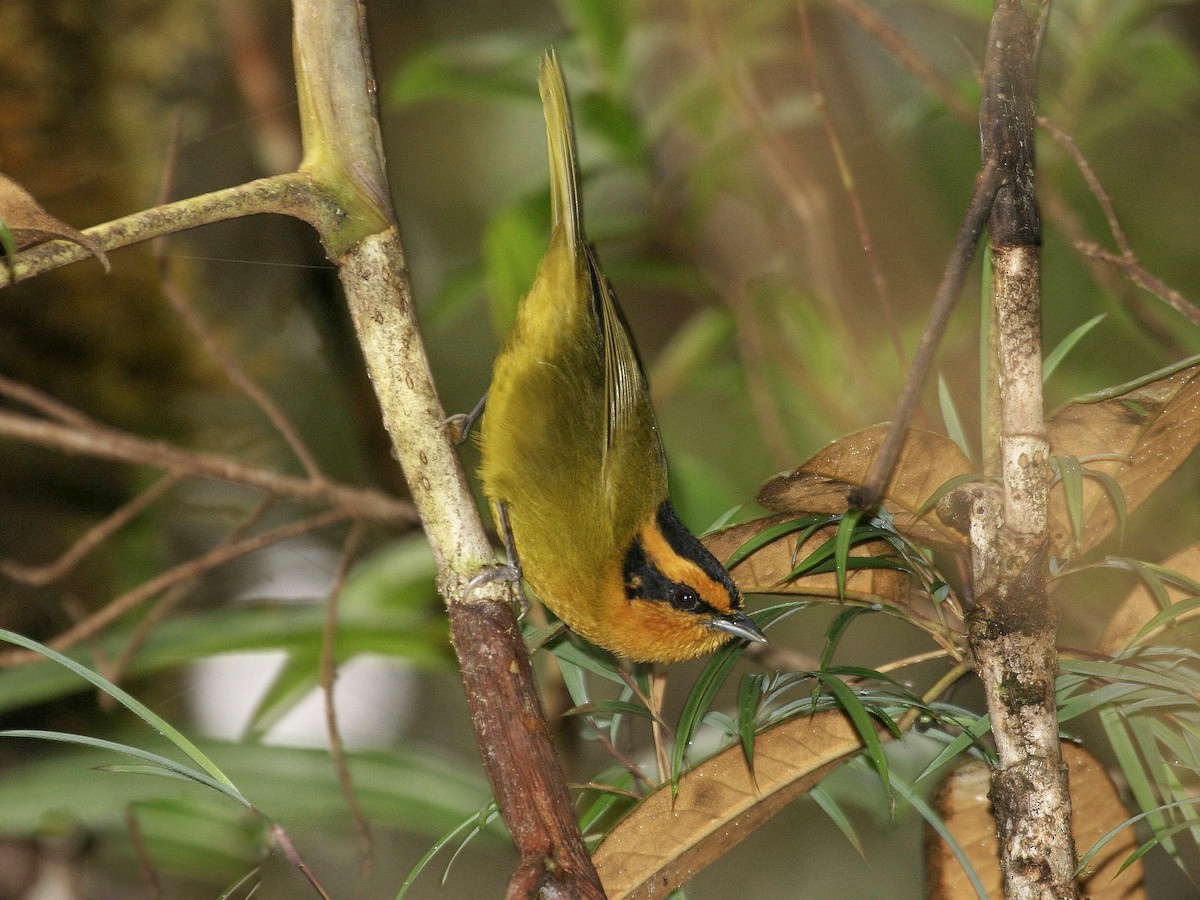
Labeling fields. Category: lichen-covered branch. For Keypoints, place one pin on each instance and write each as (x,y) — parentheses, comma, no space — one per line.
(1013,624)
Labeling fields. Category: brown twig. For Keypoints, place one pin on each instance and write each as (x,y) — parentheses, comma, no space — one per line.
(176,575)
(866,241)
(171,600)
(1065,141)
(227,361)
(288,849)
(328,674)
(106,443)
(987,182)
(43,403)
(1138,275)
(39,576)
(145,863)
(908,56)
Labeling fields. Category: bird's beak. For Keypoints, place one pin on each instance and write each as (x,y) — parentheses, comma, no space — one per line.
(739,625)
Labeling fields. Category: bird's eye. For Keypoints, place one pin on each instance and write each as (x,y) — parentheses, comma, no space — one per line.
(685,600)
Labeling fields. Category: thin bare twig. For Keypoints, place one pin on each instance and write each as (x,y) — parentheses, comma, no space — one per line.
(227,361)
(288,849)
(173,576)
(145,863)
(107,443)
(1065,141)
(908,56)
(328,674)
(39,576)
(173,597)
(1138,275)
(866,241)
(978,209)
(43,403)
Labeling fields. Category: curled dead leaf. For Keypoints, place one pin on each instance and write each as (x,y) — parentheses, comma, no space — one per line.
(1140,606)
(963,804)
(662,844)
(1155,426)
(926,462)
(29,224)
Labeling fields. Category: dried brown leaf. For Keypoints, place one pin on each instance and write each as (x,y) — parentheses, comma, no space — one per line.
(1156,425)
(926,462)
(662,844)
(30,224)
(963,804)
(1140,606)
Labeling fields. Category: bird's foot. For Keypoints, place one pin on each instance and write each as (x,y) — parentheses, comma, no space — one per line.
(506,573)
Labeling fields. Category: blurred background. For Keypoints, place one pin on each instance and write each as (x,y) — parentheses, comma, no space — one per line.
(710,136)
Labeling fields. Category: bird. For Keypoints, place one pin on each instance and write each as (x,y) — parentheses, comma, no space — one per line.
(571,460)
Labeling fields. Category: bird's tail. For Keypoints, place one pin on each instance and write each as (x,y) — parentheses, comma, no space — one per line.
(560,139)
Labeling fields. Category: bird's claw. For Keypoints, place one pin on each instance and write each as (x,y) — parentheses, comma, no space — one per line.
(507,573)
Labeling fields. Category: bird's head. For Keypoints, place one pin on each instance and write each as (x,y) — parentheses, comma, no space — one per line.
(680,602)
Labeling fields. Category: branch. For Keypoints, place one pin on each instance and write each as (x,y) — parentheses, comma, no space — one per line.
(987,182)
(342,147)
(102,442)
(183,572)
(1128,263)
(1013,624)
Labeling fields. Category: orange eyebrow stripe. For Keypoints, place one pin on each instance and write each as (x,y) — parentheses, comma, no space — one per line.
(680,568)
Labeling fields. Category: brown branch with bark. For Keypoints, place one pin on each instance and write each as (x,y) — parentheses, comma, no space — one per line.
(1013,624)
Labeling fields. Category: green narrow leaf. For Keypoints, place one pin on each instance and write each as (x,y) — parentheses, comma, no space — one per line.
(698,701)
(929,814)
(1059,353)
(772,534)
(1132,820)
(1117,495)
(970,735)
(1168,615)
(750,695)
(833,635)
(160,764)
(947,486)
(7,242)
(294,681)
(603,27)
(229,891)
(514,241)
(950,419)
(486,68)
(465,826)
(589,658)
(841,546)
(837,815)
(1071,474)
(1191,585)
(152,719)
(611,707)
(1135,775)
(864,724)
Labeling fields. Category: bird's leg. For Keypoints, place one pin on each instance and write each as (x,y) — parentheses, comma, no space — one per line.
(511,571)
(462,423)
